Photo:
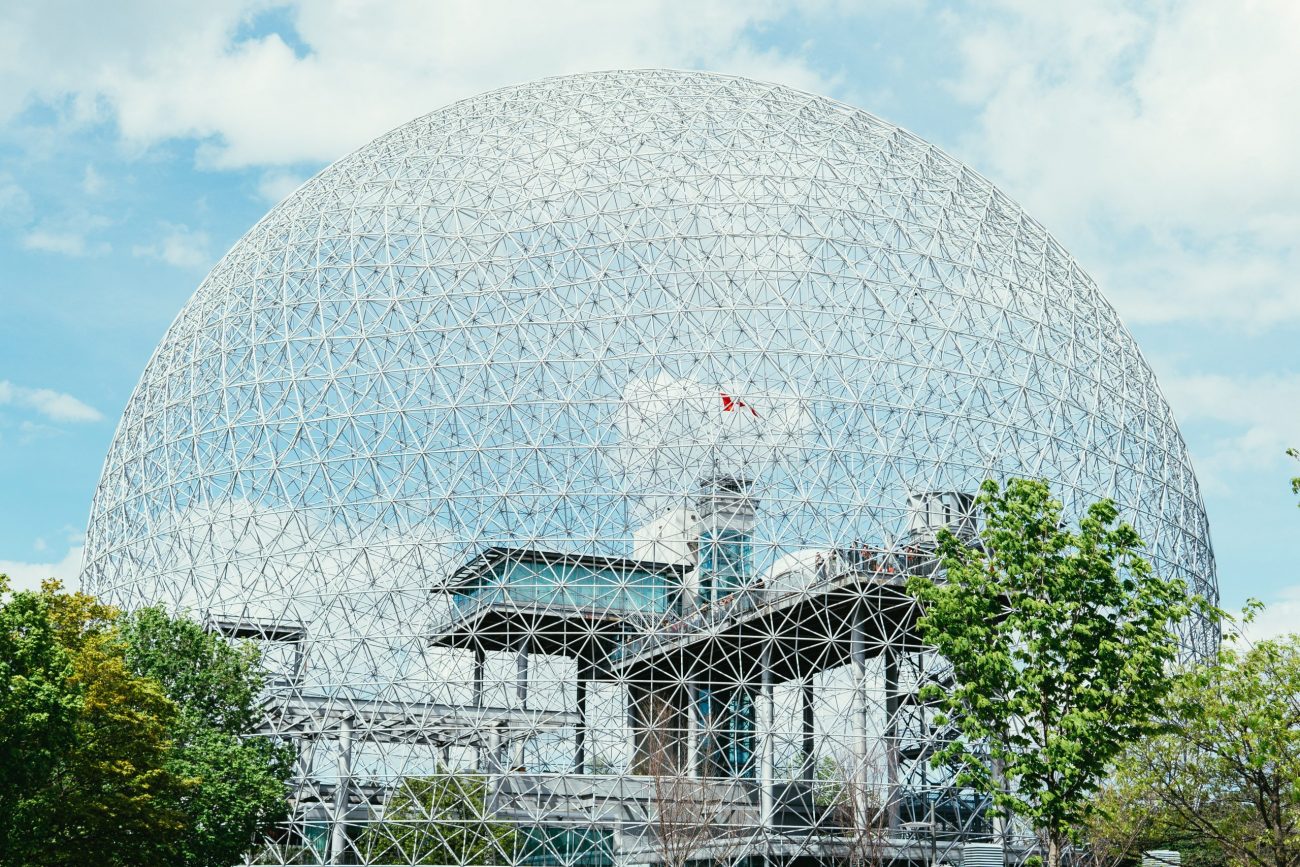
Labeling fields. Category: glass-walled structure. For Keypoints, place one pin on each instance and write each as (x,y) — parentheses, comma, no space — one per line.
(502,576)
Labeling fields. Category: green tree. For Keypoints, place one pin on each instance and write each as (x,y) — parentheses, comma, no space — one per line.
(38,711)
(106,795)
(126,740)
(236,788)
(1227,769)
(441,819)
(1060,643)
(1126,823)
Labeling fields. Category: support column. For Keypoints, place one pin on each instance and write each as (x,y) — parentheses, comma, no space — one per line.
(861,747)
(809,746)
(494,764)
(480,659)
(635,726)
(299,663)
(339,829)
(521,676)
(580,734)
(767,765)
(304,764)
(891,734)
(521,696)
(692,732)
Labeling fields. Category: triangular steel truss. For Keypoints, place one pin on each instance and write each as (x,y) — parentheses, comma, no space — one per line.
(567,449)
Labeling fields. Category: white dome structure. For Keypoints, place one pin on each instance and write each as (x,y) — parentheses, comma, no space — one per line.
(490,430)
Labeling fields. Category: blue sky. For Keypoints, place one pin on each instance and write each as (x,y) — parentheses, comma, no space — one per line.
(1158,141)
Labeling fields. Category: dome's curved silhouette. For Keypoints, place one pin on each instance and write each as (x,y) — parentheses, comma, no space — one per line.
(487,424)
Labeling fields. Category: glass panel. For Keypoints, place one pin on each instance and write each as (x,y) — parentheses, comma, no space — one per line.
(572,585)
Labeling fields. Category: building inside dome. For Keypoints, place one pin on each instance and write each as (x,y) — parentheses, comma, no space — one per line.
(566,451)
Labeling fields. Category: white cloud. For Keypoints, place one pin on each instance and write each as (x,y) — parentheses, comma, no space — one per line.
(92,182)
(28,576)
(1258,414)
(54,405)
(671,426)
(68,234)
(66,243)
(276,184)
(1227,279)
(1168,128)
(258,101)
(1281,616)
(15,204)
(178,245)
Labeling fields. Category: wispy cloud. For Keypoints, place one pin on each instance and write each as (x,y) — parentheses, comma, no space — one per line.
(1281,616)
(1257,417)
(274,185)
(54,405)
(69,234)
(178,245)
(65,243)
(343,76)
(15,203)
(92,182)
(1159,137)
(28,576)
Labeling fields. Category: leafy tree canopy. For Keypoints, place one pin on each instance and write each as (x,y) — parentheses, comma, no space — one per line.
(100,788)
(1060,643)
(126,738)
(238,790)
(38,710)
(1227,769)
(441,819)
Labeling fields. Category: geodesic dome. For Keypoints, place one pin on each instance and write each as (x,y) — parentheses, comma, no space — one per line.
(566,447)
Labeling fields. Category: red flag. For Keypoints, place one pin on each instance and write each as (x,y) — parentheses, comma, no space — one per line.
(731,404)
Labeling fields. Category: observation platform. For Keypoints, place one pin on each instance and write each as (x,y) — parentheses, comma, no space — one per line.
(332,717)
(581,606)
(790,634)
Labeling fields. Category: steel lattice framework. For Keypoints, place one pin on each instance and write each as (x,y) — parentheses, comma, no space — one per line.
(566,450)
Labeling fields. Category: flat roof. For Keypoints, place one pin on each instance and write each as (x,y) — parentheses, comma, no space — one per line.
(490,557)
(238,626)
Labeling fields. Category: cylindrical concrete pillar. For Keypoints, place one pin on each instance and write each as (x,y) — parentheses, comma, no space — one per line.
(767,746)
(339,828)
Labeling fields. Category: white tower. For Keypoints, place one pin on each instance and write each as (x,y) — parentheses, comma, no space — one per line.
(727,516)
(673,537)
